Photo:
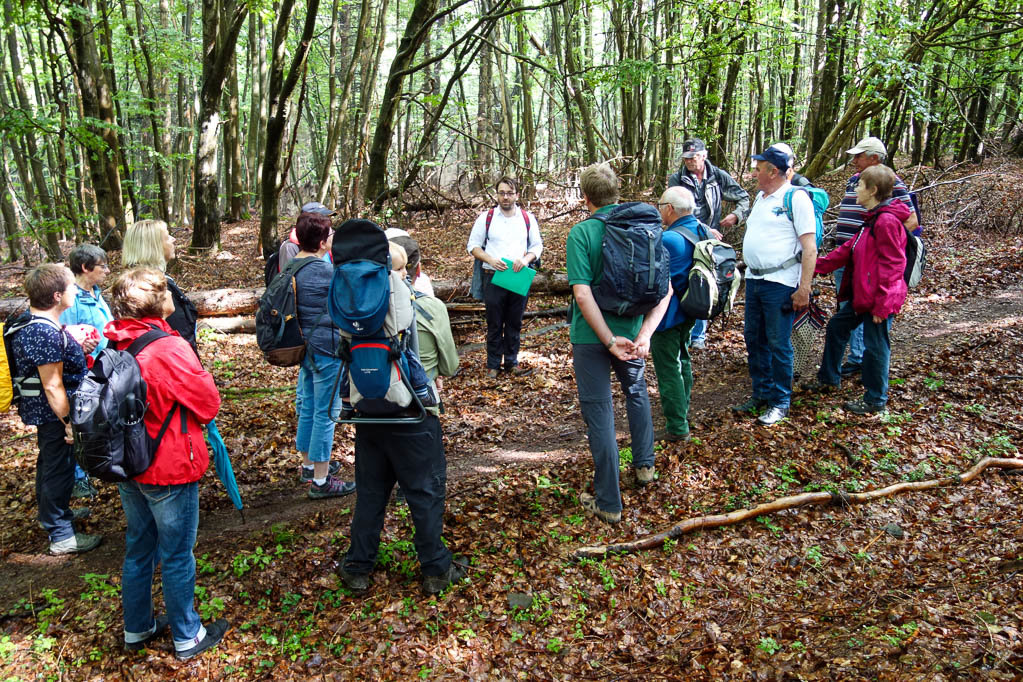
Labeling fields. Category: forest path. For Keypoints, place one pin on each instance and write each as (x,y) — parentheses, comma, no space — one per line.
(721,380)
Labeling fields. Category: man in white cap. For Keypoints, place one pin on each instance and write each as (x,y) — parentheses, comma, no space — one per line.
(869,151)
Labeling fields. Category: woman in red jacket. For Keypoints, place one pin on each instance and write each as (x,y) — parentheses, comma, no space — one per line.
(162,504)
(876,259)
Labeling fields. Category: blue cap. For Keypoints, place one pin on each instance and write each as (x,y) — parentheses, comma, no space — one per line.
(317,207)
(775,157)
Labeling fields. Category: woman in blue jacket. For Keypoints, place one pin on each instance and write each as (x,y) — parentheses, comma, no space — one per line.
(89,266)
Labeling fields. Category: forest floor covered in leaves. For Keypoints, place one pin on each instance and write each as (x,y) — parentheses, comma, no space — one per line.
(917,586)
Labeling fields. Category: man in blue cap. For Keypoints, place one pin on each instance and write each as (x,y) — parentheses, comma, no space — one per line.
(780,256)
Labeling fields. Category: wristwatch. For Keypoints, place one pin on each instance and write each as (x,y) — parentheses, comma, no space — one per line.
(611,342)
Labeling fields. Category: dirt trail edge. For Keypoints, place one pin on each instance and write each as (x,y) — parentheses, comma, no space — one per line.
(931,321)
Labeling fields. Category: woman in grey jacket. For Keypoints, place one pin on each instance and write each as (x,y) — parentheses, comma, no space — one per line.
(316,403)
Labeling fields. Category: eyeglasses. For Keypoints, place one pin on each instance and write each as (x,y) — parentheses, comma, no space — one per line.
(506,194)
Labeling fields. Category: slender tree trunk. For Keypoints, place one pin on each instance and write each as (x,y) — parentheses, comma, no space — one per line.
(221,24)
(279,92)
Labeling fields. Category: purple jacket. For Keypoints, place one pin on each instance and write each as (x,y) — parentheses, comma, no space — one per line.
(874,270)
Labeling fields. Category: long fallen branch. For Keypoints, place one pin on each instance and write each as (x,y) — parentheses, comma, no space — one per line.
(806,499)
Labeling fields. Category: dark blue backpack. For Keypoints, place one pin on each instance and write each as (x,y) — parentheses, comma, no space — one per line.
(636,265)
(382,378)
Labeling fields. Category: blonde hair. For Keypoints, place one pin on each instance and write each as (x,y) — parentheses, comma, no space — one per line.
(138,293)
(143,245)
(399,258)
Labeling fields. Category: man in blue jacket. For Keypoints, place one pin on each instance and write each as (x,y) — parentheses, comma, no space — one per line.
(669,345)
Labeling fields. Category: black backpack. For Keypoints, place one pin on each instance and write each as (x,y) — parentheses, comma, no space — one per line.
(272,267)
(636,264)
(278,333)
(12,387)
(107,415)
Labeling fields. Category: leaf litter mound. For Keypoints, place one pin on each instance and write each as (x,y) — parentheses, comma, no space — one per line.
(920,586)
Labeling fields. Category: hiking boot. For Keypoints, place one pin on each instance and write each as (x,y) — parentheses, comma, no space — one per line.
(773,416)
(816,386)
(77,514)
(861,406)
(356,582)
(332,487)
(76,544)
(645,475)
(435,584)
(307,472)
(214,633)
(850,368)
(162,625)
(673,437)
(589,504)
(751,406)
(493,373)
(83,489)
(699,344)
(519,371)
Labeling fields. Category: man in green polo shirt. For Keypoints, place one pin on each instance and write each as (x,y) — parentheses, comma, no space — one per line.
(601,343)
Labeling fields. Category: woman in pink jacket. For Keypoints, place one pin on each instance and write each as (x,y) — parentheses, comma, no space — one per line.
(162,504)
(876,259)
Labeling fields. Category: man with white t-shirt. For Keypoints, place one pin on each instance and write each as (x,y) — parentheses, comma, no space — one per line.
(504,232)
(780,256)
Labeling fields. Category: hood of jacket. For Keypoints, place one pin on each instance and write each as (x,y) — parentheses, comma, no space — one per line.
(127,330)
(893,207)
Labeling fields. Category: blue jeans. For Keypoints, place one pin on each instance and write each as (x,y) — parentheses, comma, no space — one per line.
(413,456)
(875,358)
(856,345)
(593,364)
(162,522)
(699,332)
(768,332)
(316,406)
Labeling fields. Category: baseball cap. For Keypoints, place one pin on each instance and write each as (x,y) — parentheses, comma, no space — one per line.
(691,147)
(317,207)
(786,150)
(869,144)
(775,157)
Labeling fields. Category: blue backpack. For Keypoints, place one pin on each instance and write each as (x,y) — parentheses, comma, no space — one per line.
(636,265)
(820,200)
(381,379)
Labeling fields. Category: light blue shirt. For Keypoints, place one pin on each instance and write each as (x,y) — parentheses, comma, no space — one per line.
(91,309)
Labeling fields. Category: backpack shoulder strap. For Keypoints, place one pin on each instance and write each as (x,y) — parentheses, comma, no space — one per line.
(486,233)
(420,310)
(141,342)
(690,236)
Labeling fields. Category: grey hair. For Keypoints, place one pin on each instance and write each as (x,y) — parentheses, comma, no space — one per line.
(86,257)
(877,155)
(681,200)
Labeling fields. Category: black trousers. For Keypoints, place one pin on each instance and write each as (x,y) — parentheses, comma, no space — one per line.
(55,477)
(504,323)
(413,456)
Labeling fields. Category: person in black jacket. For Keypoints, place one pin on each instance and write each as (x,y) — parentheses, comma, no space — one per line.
(709,185)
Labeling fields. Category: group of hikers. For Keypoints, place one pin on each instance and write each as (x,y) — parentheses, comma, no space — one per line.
(70,323)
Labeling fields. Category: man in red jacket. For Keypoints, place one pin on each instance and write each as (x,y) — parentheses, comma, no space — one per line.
(162,504)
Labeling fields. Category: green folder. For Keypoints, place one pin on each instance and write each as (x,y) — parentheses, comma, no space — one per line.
(515,282)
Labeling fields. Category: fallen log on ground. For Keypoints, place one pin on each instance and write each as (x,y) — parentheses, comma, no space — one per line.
(232,302)
(806,499)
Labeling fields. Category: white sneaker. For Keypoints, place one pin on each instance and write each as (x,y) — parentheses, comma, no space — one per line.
(76,544)
(772,416)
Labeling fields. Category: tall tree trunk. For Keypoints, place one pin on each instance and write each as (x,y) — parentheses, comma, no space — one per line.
(101,121)
(221,23)
(279,92)
(411,41)
(788,117)
(10,218)
(256,137)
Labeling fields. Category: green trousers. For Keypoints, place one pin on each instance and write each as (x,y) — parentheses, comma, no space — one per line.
(670,351)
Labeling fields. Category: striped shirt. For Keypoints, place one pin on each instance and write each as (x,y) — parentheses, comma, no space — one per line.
(851,214)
